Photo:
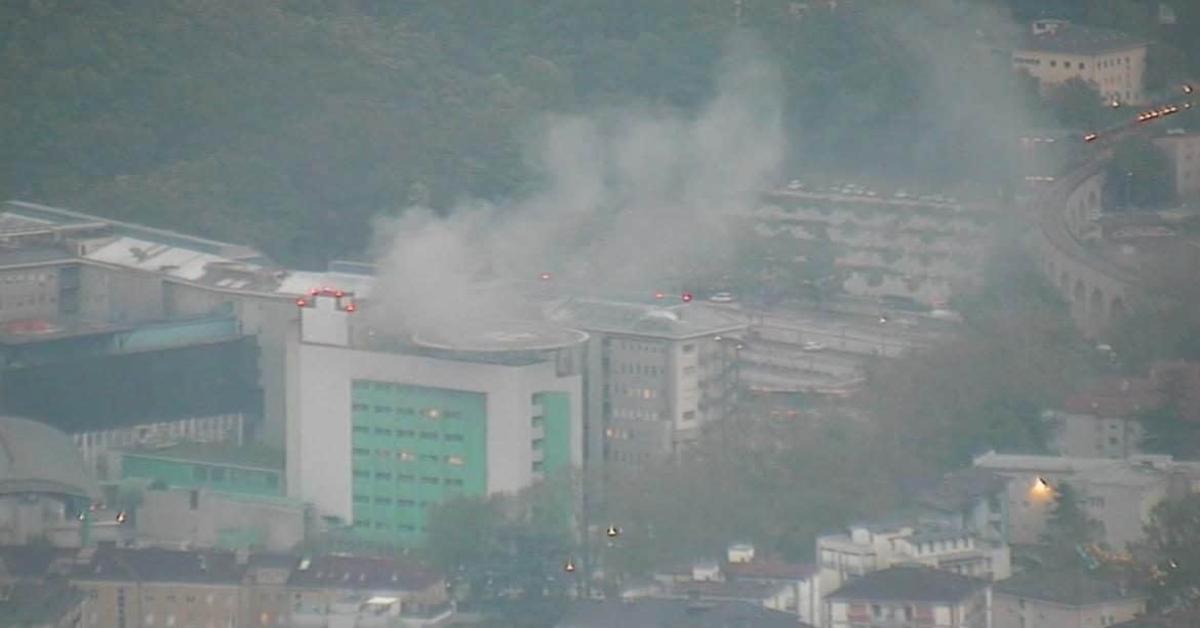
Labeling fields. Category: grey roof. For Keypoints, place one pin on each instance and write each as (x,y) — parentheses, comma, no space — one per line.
(362,572)
(638,319)
(1076,39)
(37,604)
(910,584)
(161,565)
(35,457)
(673,614)
(33,562)
(1074,587)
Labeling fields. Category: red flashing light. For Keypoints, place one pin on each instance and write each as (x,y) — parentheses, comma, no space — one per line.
(350,307)
(687,297)
(544,276)
(660,296)
(314,292)
(302,302)
(339,294)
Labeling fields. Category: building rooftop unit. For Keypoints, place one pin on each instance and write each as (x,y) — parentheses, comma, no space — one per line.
(1063,37)
(36,234)
(910,584)
(249,456)
(677,322)
(1074,587)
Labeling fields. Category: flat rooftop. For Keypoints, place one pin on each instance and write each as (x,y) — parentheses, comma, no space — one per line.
(250,456)
(502,337)
(675,322)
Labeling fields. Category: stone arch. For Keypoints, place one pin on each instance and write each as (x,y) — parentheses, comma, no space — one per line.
(1079,293)
(1092,199)
(1096,309)
(1117,310)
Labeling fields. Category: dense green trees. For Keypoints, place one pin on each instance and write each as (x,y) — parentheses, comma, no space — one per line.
(1139,177)
(291,125)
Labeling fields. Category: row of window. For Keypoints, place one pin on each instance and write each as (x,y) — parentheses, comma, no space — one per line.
(383,500)
(408,478)
(426,413)
(380,525)
(406,433)
(636,414)
(218,474)
(408,456)
(640,369)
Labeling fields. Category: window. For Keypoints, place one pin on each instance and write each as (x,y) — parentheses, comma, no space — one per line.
(359,451)
(362,499)
(453,438)
(689,415)
(382,475)
(361,429)
(429,435)
(455,460)
(689,348)
(217,475)
(1081,66)
(1053,63)
(200,474)
(428,480)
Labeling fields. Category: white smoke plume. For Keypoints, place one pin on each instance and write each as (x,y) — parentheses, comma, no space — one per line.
(633,197)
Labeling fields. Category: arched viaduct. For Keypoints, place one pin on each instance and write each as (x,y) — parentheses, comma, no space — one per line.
(1099,292)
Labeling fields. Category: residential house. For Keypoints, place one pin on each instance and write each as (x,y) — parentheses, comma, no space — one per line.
(907,596)
(673,614)
(1118,494)
(1064,599)
(866,548)
(1057,51)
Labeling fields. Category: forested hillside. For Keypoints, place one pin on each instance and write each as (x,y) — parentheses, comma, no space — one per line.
(288,124)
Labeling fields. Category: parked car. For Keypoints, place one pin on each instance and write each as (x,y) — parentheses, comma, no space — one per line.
(721,297)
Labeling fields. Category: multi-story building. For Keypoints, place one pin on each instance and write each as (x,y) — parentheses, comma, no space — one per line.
(328,588)
(150,587)
(1118,494)
(63,271)
(866,549)
(1056,51)
(909,246)
(124,385)
(380,429)
(1183,151)
(910,596)
(654,376)
(1104,421)
(767,582)
(1064,599)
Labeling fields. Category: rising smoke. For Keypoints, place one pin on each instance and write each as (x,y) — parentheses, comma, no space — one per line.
(634,197)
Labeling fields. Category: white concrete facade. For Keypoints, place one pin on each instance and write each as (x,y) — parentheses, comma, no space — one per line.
(319,403)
